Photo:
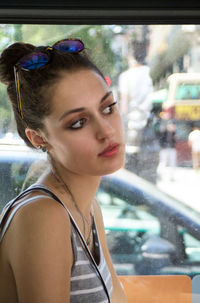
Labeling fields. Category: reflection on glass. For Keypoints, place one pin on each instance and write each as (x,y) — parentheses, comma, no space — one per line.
(155,76)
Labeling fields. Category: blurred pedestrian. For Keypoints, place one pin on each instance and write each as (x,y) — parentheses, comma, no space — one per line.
(135,83)
(194,143)
(168,154)
(135,88)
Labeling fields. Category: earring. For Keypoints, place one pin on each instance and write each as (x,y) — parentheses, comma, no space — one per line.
(42,147)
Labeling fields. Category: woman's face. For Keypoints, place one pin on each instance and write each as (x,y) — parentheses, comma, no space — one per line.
(85,134)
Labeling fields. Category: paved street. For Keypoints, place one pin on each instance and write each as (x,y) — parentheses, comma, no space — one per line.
(185,186)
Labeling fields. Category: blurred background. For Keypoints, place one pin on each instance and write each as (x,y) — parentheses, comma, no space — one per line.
(154,74)
(151,210)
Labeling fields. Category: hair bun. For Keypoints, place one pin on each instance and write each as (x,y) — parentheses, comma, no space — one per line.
(9,58)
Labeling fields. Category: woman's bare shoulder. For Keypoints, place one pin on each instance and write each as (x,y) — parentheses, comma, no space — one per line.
(40,216)
(39,206)
(39,246)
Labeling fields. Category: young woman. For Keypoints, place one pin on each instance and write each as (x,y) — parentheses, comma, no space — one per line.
(53,246)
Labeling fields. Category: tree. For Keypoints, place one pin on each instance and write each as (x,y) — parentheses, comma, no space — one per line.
(8,33)
(97,38)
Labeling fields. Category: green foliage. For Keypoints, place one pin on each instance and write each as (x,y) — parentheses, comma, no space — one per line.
(5,109)
(9,33)
(97,40)
(6,35)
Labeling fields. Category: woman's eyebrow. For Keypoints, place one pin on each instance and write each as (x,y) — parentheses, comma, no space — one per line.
(80,109)
(105,96)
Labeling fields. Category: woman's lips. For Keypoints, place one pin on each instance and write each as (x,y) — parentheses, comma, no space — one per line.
(110,151)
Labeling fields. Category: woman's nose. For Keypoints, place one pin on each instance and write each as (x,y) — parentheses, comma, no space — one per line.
(104,129)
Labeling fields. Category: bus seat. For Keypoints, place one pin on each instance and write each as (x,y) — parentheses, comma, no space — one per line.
(157,289)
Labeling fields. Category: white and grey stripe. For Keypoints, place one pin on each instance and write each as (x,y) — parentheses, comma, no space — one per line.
(86,285)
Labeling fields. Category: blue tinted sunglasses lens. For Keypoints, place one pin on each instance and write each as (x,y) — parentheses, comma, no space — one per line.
(69,46)
(34,60)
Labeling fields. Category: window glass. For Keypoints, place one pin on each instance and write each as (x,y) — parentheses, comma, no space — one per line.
(154,73)
(127,227)
(192,248)
(187,91)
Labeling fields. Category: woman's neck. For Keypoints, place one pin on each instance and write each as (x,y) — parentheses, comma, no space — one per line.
(82,189)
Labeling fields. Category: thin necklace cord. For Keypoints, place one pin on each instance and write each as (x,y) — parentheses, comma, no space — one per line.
(84,220)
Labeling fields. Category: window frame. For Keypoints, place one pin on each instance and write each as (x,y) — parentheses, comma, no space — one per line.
(106,12)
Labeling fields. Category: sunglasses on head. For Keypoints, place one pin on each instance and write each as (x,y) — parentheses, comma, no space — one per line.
(41,57)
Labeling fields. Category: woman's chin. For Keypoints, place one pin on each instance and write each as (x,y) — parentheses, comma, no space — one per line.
(113,168)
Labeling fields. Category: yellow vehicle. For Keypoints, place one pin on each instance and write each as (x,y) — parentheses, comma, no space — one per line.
(183,98)
(182,104)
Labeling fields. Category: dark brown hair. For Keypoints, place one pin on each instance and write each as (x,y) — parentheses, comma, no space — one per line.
(35,84)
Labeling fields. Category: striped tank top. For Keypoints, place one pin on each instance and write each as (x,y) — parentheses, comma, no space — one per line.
(90,280)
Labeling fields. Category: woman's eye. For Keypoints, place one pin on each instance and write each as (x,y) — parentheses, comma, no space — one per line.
(78,124)
(109,109)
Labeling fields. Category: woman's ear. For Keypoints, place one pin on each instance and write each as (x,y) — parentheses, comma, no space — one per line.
(35,137)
